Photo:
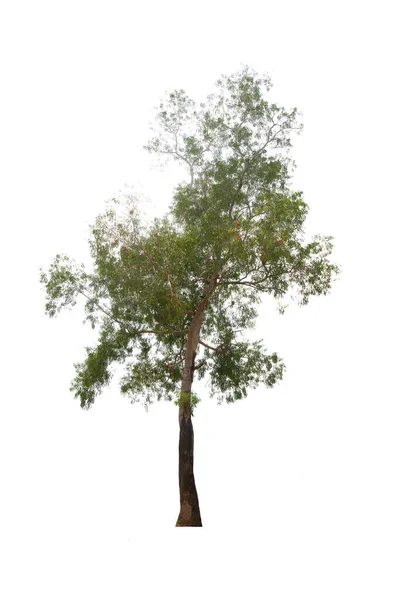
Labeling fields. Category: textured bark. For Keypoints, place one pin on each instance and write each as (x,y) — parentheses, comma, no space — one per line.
(189,515)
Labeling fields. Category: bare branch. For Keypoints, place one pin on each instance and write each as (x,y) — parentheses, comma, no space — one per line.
(199,364)
(217,349)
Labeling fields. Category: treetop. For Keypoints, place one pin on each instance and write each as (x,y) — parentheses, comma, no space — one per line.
(234,231)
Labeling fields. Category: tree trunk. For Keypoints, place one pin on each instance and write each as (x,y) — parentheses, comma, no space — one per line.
(189,515)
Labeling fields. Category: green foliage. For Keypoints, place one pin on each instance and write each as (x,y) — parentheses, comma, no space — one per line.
(241,366)
(61,283)
(236,220)
(188,398)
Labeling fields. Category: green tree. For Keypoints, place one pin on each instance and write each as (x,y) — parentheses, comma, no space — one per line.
(171,300)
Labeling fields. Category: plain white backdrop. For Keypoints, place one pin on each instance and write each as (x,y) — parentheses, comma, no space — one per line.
(299,486)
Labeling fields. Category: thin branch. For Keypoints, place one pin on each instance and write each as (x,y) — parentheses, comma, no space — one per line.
(253,284)
(243,280)
(151,261)
(199,364)
(142,331)
(176,356)
(160,270)
(185,160)
(126,325)
(217,349)
(239,187)
(171,366)
(103,310)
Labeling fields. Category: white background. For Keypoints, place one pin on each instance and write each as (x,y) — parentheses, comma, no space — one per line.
(299,486)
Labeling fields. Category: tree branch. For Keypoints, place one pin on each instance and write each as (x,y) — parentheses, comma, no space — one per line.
(253,284)
(199,364)
(160,270)
(171,366)
(217,349)
(142,331)
(208,291)
(126,325)
(102,309)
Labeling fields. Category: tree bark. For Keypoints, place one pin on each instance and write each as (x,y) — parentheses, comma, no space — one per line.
(189,515)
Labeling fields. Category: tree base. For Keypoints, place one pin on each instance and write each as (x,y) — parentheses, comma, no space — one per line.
(189,515)
(187,524)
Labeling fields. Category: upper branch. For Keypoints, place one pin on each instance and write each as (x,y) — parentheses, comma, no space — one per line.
(217,349)
(107,312)
(141,331)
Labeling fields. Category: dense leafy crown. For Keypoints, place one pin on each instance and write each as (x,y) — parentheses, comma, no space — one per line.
(235,219)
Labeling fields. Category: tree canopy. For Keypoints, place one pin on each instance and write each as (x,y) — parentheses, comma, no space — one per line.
(234,232)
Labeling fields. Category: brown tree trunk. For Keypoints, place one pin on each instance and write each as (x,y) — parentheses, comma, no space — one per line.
(189,515)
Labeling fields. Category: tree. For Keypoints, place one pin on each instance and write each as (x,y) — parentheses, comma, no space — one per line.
(171,300)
